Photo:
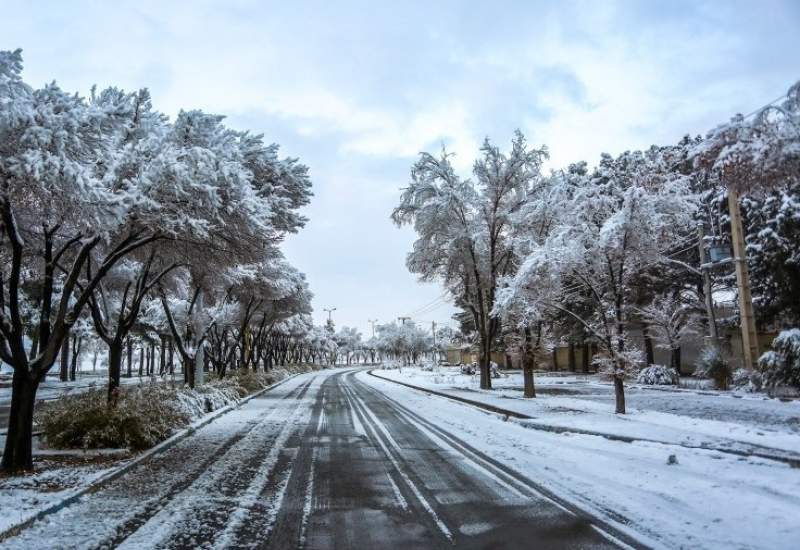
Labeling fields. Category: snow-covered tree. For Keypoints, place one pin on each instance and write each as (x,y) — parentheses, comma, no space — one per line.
(101,200)
(756,152)
(781,365)
(672,321)
(622,219)
(772,234)
(463,228)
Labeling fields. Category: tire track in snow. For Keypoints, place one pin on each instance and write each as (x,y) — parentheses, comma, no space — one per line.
(287,523)
(510,476)
(359,429)
(376,425)
(152,508)
(246,501)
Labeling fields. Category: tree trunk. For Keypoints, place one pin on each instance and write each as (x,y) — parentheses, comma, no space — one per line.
(171,358)
(34,345)
(675,359)
(485,359)
(555,358)
(17,454)
(619,395)
(188,369)
(527,375)
(141,361)
(77,342)
(585,352)
(528,365)
(130,358)
(64,372)
(649,357)
(162,361)
(572,362)
(115,349)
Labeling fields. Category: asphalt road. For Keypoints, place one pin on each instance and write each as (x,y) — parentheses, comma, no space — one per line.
(323,461)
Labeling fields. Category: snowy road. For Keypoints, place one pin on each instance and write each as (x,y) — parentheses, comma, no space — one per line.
(322,461)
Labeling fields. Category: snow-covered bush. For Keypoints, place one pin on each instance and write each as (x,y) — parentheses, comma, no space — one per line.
(657,375)
(144,415)
(427,365)
(712,364)
(627,363)
(781,365)
(391,364)
(747,379)
(141,417)
(469,368)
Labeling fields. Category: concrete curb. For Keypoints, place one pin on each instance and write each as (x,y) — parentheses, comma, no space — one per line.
(478,404)
(114,474)
(778,455)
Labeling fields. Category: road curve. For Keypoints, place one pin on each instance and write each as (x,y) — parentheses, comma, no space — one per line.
(322,462)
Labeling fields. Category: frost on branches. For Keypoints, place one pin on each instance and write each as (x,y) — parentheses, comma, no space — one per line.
(110,209)
(610,226)
(781,365)
(463,228)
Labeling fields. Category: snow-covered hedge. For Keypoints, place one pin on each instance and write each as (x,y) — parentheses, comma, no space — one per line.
(781,365)
(143,415)
(657,375)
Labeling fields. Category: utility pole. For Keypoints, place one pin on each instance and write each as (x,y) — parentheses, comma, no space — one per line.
(372,322)
(712,320)
(330,311)
(747,319)
(433,333)
(403,319)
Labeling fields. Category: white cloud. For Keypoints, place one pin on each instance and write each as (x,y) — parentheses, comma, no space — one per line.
(357,93)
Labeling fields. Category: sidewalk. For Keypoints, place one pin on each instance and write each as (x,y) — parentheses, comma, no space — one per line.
(62,476)
(755,426)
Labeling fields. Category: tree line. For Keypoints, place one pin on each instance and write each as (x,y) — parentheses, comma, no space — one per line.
(586,254)
(125,229)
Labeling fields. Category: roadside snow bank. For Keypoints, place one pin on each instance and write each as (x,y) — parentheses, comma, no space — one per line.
(571,403)
(665,495)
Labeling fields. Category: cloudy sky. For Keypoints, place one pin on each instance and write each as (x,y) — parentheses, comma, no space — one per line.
(357,89)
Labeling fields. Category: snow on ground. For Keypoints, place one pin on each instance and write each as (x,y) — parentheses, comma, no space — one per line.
(58,475)
(708,499)
(711,419)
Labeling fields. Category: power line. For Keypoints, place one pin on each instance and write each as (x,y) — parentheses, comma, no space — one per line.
(433,303)
(429,310)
